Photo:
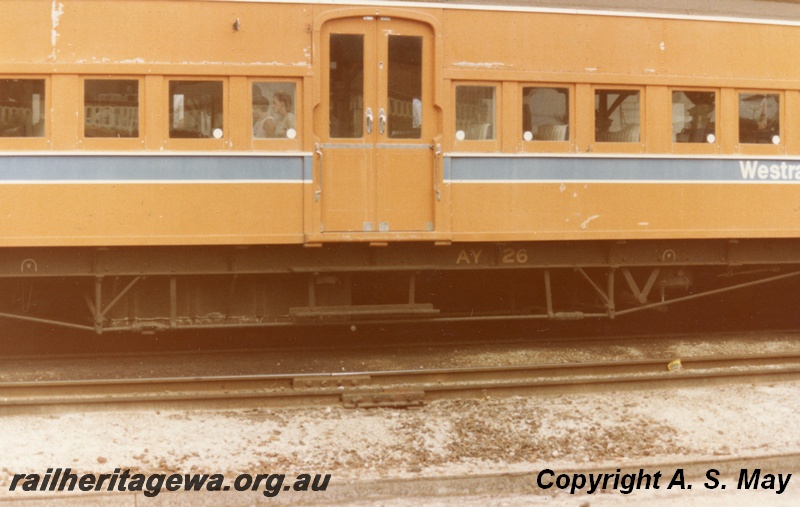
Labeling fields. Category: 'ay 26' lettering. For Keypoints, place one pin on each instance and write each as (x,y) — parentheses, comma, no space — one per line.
(508,256)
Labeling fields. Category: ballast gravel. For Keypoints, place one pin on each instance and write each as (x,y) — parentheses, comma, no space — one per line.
(469,438)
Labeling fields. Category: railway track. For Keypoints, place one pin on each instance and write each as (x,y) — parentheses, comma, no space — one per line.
(399,389)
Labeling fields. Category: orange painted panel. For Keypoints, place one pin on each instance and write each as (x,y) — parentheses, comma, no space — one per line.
(551,42)
(565,211)
(405,189)
(150,214)
(146,32)
(347,198)
(731,50)
(26,31)
(619,49)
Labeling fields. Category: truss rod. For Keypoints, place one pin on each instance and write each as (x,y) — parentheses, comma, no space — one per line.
(709,293)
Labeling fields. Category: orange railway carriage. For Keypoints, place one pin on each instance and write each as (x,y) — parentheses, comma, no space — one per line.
(200,163)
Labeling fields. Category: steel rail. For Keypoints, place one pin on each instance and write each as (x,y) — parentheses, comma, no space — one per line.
(401,388)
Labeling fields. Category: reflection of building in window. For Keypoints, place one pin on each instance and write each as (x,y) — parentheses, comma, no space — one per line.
(545,114)
(273,109)
(405,87)
(111,108)
(195,109)
(693,117)
(475,112)
(759,118)
(416,113)
(617,114)
(22,110)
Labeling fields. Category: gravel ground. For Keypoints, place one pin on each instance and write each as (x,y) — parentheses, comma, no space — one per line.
(445,438)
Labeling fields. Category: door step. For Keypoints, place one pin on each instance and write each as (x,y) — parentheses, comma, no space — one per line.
(363,310)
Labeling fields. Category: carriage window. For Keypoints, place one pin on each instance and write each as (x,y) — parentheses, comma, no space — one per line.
(111,108)
(617,116)
(693,117)
(545,114)
(273,110)
(346,99)
(22,109)
(195,109)
(475,112)
(759,118)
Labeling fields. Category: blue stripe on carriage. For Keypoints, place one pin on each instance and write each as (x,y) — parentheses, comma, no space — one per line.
(103,168)
(599,169)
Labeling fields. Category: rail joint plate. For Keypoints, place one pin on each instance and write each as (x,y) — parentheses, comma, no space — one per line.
(330,381)
(390,399)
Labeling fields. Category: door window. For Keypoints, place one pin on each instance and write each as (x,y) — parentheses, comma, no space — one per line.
(405,87)
(346,85)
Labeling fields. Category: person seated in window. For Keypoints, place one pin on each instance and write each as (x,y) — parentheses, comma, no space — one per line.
(700,127)
(282,115)
(263,123)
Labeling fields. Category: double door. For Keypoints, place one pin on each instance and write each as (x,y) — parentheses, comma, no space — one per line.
(378,166)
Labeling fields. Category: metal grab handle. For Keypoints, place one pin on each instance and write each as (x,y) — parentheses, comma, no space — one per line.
(381,121)
(318,150)
(369,120)
(437,151)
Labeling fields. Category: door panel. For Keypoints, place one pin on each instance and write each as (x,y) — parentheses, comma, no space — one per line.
(404,162)
(405,197)
(347,149)
(377,143)
(348,201)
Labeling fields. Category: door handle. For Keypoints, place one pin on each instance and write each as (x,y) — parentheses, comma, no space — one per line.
(382,121)
(437,151)
(318,150)
(369,121)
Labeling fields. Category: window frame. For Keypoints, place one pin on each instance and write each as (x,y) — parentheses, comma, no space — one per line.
(761,148)
(106,143)
(479,145)
(33,143)
(276,143)
(614,146)
(209,144)
(549,146)
(700,148)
